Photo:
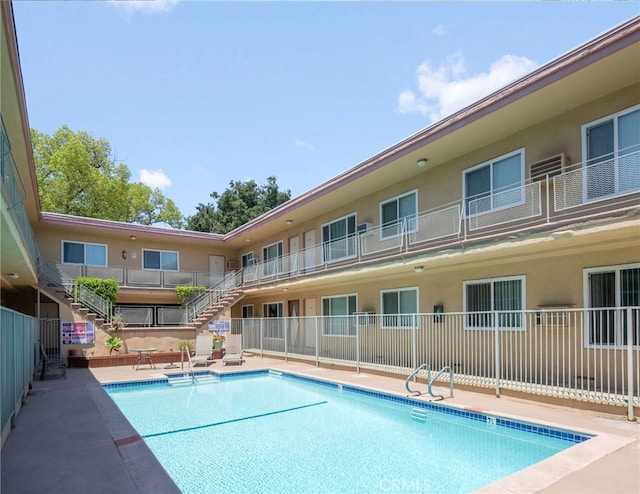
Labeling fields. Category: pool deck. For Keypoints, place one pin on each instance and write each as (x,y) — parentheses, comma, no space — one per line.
(69,437)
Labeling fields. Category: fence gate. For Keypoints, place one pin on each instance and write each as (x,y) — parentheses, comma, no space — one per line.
(50,336)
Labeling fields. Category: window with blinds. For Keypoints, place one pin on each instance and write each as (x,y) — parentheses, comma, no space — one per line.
(497,301)
(614,298)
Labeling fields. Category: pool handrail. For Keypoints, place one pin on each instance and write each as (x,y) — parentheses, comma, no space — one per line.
(430,380)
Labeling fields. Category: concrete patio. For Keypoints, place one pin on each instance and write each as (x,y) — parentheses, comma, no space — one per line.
(69,437)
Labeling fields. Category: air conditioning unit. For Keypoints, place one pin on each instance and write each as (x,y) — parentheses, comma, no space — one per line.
(551,166)
(233,265)
(364,227)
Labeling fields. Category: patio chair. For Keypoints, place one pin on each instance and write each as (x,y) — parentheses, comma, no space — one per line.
(234,350)
(51,362)
(204,347)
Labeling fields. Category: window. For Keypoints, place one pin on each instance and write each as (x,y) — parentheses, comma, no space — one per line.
(398,307)
(247,311)
(339,239)
(84,253)
(397,211)
(160,259)
(484,300)
(494,185)
(608,293)
(339,308)
(611,146)
(248,260)
(274,328)
(272,259)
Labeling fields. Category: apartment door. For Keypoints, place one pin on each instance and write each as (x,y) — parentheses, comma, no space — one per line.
(309,260)
(294,247)
(216,269)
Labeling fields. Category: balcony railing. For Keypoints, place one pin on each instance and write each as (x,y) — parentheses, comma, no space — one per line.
(584,354)
(143,278)
(575,194)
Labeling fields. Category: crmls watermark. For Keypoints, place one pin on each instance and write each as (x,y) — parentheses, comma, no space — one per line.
(404,485)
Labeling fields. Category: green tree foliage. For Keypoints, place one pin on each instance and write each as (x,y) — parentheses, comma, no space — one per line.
(240,203)
(78,175)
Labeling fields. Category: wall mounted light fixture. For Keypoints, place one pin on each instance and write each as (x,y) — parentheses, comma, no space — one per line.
(419,269)
(422,162)
(124,254)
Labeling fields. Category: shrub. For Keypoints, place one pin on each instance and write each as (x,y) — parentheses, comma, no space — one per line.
(106,288)
(186,293)
(113,343)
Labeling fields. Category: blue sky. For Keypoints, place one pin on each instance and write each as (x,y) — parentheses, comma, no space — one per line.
(192,95)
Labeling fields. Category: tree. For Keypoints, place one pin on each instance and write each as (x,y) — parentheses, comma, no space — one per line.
(77,174)
(240,203)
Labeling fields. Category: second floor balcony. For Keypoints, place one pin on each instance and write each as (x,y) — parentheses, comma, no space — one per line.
(606,188)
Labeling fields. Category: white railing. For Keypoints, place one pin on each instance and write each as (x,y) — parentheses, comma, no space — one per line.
(53,274)
(135,316)
(583,354)
(598,180)
(505,206)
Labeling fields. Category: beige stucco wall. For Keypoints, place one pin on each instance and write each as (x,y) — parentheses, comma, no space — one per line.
(551,280)
(442,183)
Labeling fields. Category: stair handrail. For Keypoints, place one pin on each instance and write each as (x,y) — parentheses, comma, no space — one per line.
(193,376)
(213,294)
(439,373)
(430,380)
(412,375)
(54,274)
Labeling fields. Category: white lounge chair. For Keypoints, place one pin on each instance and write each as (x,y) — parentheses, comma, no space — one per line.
(204,347)
(233,352)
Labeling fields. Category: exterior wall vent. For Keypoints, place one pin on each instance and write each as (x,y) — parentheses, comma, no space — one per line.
(551,166)
(364,227)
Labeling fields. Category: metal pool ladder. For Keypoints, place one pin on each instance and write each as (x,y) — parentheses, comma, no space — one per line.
(430,380)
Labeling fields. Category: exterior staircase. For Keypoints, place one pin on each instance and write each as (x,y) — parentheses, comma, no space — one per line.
(223,302)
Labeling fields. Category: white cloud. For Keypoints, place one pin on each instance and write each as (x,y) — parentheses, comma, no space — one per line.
(144,6)
(303,144)
(448,88)
(439,30)
(154,178)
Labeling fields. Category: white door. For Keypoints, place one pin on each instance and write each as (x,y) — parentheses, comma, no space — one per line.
(216,269)
(294,247)
(309,251)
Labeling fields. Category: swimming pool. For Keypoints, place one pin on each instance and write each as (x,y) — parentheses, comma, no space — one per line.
(261,432)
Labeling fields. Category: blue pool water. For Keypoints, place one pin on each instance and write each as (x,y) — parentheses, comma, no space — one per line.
(283,434)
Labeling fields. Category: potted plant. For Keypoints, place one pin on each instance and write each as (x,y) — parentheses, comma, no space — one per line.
(218,340)
(117,323)
(113,344)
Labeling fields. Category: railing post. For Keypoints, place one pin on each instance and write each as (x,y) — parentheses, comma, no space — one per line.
(286,339)
(357,343)
(496,325)
(414,342)
(547,192)
(317,342)
(630,334)
(262,337)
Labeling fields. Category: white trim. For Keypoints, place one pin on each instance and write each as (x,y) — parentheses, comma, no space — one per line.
(177,253)
(396,199)
(523,301)
(490,163)
(84,253)
(586,303)
(329,297)
(354,235)
(586,161)
(414,314)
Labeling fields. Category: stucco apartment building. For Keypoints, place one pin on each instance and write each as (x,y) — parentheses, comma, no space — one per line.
(501,243)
